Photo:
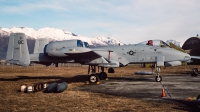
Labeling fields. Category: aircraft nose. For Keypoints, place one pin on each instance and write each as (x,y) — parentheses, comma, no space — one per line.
(187,57)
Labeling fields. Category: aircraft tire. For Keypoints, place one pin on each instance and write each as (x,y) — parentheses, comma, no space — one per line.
(94,78)
(195,71)
(102,76)
(158,78)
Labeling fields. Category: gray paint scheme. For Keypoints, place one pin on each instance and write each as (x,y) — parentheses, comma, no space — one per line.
(17,52)
(67,51)
(39,45)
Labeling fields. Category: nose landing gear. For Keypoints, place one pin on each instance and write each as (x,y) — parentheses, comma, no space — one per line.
(158,78)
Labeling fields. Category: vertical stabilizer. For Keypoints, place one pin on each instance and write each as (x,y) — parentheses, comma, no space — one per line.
(17,52)
(40,44)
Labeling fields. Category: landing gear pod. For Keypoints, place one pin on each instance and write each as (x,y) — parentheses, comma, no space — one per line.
(61,87)
(111,70)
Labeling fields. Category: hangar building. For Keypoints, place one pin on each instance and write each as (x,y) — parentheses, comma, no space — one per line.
(192,46)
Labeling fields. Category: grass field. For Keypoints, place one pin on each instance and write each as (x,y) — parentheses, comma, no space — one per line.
(11,99)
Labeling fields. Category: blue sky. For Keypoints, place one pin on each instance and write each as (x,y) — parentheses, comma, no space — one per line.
(130,21)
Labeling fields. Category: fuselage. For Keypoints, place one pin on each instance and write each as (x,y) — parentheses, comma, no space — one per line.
(138,53)
(63,52)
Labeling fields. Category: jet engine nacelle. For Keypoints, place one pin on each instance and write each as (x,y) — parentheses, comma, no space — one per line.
(172,63)
(53,48)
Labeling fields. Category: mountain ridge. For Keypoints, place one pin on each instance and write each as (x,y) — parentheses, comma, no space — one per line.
(55,35)
(59,35)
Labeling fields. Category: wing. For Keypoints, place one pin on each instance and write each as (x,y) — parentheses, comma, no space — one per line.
(100,57)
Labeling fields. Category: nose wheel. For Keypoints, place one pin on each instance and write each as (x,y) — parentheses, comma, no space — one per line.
(195,72)
(158,78)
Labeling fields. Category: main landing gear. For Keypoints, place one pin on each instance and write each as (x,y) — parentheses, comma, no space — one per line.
(95,77)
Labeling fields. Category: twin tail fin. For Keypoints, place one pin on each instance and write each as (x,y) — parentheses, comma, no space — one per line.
(17,52)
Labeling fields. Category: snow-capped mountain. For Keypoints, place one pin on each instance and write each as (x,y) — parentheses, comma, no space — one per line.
(58,35)
(99,41)
(175,42)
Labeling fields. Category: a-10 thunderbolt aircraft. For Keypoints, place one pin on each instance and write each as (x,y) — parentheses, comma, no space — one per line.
(76,51)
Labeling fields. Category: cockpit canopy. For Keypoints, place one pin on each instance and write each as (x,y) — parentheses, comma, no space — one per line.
(86,45)
(79,43)
(158,43)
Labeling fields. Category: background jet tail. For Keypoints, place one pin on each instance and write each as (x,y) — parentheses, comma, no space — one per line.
(39,45)
(17,52)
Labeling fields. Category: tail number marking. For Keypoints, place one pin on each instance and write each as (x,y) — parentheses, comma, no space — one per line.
(20,42)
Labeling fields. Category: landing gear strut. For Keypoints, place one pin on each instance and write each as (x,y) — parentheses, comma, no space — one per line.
(158,78)
(94,77)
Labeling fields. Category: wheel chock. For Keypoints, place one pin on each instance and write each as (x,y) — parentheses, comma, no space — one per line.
(191,98)
(87,82)
(98,82)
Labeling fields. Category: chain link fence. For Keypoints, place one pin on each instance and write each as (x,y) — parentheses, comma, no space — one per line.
(4,65)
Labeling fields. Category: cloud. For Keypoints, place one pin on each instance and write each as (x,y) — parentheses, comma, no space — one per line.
(31,6)
(130,21)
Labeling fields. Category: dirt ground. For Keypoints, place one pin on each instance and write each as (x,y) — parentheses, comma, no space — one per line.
(11,99)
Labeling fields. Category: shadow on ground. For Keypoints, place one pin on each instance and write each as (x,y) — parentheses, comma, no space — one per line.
(78,78)
(131,79)
(190,106)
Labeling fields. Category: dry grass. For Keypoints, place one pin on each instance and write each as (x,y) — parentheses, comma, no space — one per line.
(72,100)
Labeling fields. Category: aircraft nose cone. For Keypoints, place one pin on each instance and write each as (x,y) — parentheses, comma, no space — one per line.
(187,57)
